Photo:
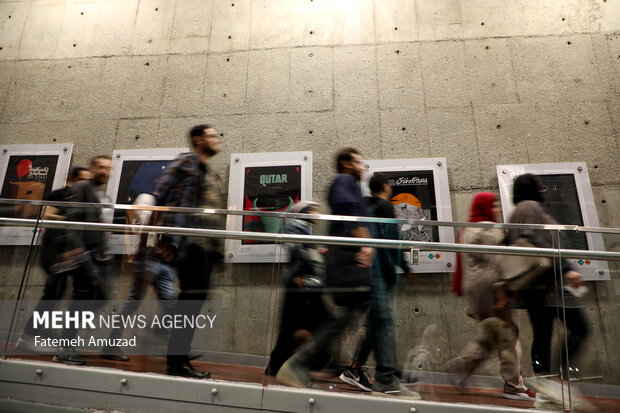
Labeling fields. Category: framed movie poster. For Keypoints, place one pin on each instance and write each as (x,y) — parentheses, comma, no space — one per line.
(568,199)
(264,182)
(134,172)
(420,191)
(29,172)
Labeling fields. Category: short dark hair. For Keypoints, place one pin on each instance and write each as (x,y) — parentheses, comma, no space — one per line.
(75,171)
(94,159)
(197,130)
(377,183)
(345,155)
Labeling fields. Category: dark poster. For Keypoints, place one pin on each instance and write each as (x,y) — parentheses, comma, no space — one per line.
(273,189)
(137,177)
(413,197)
(562,202)
(29,177)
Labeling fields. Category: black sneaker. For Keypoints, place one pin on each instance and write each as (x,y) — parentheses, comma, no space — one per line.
(68,355)
(357,377)
(113,353)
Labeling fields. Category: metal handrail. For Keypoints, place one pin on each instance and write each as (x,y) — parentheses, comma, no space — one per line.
(318,217)
(316,239)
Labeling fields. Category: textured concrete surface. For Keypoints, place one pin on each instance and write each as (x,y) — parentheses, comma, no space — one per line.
(480,83)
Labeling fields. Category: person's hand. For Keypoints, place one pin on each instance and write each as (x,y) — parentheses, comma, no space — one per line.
(322,250)
(167,251)
(71,254)
(501,299)
(364,257)
(299,282)
(574,278)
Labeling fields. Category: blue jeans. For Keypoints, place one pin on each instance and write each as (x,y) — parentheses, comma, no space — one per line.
(157,274)
(379,329)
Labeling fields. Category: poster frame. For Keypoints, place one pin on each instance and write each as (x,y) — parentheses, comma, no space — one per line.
(120,243)
(592,270)
(261,253)
(22,235)
(428,261)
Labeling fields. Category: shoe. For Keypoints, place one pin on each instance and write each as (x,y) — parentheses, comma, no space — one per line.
(547,403)
(68,355)
(357,377)
(526,395)
(393,389)
(187,370)
(458,373)
(407,376)
(194,354)
(294,373)
(25,342)
(113,353)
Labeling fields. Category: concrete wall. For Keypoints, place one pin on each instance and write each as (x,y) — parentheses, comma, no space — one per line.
(480,83)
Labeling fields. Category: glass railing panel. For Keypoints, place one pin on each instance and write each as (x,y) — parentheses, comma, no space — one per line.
(590,333)
(219,315)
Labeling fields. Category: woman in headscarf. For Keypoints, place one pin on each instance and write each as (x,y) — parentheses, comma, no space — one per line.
(544,297)
(475,277)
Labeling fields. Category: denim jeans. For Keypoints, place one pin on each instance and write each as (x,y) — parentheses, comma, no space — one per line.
(154,273)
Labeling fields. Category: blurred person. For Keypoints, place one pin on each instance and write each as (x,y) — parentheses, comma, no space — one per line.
(379,333)
(145,272)
(190,182)
(476,277)
(543,299)
(303,278)
(347,272)
(55,283)
(87,257)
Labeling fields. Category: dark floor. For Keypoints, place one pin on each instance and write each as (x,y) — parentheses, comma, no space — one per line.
(329,382)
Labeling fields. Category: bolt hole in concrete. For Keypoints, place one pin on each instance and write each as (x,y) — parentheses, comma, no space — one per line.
(398,52)
(482,24)
(156,9)
(603,201)
(54,140)
(595,166)
(563,19)
(404,129)
(587,122)
(137,137)
(311,32)
(395,28)
(147,64)
(228,59)
(81,13)
(68,67)
(568,43)
(221,135)
(312,54)
(310,132)
(74,45)
(232,5)
(230,37)
(150,40)
(487,47)
(499,126)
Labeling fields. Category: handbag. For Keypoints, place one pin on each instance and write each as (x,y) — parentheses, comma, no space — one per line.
(520,272)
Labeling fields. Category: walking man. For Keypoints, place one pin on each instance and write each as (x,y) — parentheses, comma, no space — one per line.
(190,182)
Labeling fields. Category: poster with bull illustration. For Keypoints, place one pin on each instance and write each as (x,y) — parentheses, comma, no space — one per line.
(29,173)
(265,182)
(420,192)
